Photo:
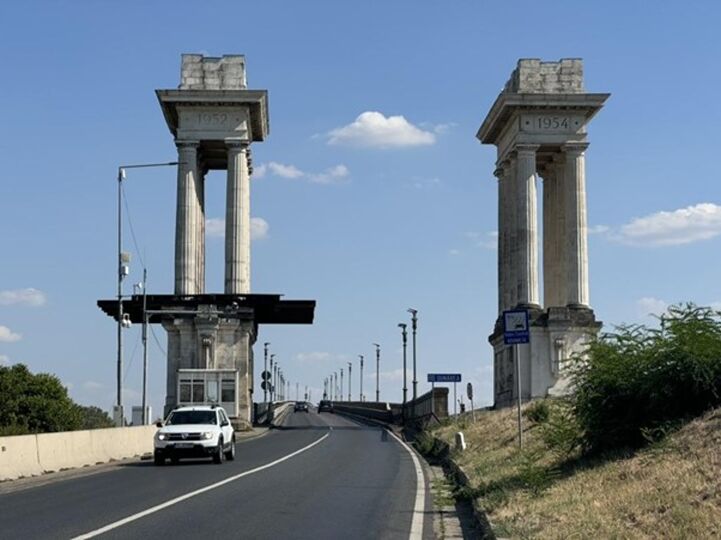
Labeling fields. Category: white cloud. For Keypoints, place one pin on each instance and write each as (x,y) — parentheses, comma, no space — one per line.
(284,171)
(440,129)
(27,297)
(93,386)
(394,375)
(682,226)
(373,130)
(4,360)
(488,240)
(313,357)
(426,183)
(332,175)
(454,252)
(649,305)
(258,228)
(599,229)
(215,228)
(8,336)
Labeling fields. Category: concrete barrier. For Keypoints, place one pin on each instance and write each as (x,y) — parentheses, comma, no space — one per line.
(429,407)
(19,457)
(31,455)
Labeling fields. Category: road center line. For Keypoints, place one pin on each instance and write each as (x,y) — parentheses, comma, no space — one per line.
(182,498)
(419,507)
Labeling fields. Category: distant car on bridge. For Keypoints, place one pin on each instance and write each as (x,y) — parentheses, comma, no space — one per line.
(191,432)
(300,406)
(325,405)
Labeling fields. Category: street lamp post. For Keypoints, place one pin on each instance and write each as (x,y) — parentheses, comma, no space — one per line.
(341,384)
(378,376)
(350,367)
(414,326)
(122,272)
(265,369)
(404,334)
(272,380)
(361,376)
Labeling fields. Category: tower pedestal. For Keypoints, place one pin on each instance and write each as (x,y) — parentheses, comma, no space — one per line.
(556,334)
(210,360)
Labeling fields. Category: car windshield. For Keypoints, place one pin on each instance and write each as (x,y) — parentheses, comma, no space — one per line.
(191,417)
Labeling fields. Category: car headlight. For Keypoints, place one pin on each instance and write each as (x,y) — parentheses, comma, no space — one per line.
(162,436)
(207,435)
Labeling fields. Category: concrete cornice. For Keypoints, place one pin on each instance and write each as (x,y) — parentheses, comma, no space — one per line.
(508,103)
(255,100)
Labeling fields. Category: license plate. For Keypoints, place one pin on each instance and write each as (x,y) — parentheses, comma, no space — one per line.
(184,445)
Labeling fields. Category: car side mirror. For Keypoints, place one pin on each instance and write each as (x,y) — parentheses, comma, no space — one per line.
(223,424)
(158,424)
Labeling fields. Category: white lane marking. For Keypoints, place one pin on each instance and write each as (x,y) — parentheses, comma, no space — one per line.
(172,502)
(418,510)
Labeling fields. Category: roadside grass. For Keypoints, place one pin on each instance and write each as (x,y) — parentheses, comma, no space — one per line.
(670,489)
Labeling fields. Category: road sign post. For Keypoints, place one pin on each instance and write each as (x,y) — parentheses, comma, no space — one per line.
(469,391)
(515,332)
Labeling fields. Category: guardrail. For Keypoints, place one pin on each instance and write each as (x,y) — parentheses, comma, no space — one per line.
(431,406)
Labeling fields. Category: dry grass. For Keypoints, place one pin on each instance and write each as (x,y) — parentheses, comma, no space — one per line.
(669,490)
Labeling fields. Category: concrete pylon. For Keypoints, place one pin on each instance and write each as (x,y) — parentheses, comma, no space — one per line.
(539,125)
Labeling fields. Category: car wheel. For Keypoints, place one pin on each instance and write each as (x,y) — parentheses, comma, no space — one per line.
(230,454)
(218,455)
(158,459)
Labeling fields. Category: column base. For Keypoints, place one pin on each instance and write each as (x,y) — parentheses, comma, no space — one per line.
(557,334)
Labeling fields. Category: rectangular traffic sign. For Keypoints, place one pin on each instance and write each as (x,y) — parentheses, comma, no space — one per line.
(515,327)
(444,377)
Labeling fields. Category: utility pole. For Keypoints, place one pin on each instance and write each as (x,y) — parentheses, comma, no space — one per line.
(378,372)
(350,367)
(273,381)
(361,376)
(146,420)
(414,326)
(265,368)
(404,334)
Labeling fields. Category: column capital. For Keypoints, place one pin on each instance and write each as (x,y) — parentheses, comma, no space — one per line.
(186,144)
(527,148)
(499,172)
(233,144)
(575,148)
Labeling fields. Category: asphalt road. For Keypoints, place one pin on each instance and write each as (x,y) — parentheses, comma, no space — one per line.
(318,476)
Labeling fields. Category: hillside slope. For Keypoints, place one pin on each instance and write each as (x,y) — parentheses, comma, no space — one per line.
(671,489)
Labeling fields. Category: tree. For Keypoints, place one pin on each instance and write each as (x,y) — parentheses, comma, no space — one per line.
(94,418)
(35,403)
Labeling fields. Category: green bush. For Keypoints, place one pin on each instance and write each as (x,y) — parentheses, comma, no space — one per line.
(561,431)
(639,380)
(537,412)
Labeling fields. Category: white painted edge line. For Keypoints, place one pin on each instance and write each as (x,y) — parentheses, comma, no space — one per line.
(419,507)
(176,500)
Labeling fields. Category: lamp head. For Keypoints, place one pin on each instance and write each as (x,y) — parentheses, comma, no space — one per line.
(412,311)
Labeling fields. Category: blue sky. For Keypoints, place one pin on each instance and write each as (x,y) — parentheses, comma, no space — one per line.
(367,218)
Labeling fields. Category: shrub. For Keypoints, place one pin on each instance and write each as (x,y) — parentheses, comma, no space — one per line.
(561,431)
(537,412)
(638,380)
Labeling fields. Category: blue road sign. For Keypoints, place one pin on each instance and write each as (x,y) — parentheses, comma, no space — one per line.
(444,377)
(515,327)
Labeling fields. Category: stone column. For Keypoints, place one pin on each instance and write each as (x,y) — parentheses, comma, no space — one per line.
(186,219)
(553,235)
(237,222)
(526,225)
(502,266)
(200,231)
(576,226)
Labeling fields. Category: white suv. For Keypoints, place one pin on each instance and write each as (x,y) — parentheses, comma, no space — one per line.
(195,432)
